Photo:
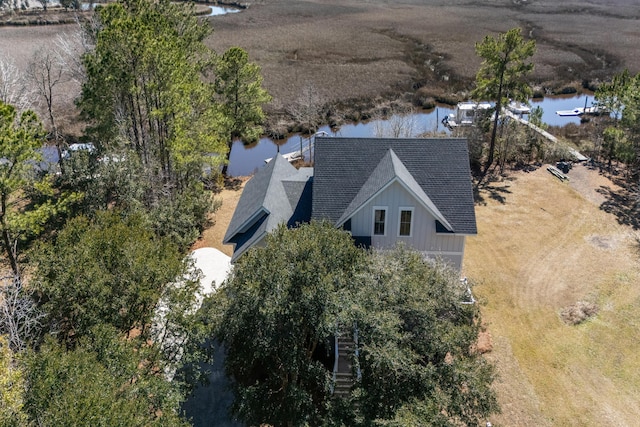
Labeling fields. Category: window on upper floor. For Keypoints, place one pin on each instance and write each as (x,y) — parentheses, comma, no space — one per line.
(379,221)
(406,222)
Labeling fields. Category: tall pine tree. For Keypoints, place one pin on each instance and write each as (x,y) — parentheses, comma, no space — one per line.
(239,91)
(502,75)
(144,90)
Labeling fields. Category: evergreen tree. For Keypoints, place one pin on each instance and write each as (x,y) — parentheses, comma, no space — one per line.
(621,98)
(144,90)
(238,86)
(113,270)
(27,198)
(104,381)
(282,306)
(12,388)
(502,75)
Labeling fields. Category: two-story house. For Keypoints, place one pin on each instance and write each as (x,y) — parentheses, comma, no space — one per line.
(383,191)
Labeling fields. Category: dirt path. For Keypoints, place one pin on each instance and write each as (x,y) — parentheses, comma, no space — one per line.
(543,246)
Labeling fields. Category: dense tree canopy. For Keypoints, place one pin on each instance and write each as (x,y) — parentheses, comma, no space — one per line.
(121,303)
(284,302)
(102,382)
(502,75)
(113,271)
(417,357)
(144,90)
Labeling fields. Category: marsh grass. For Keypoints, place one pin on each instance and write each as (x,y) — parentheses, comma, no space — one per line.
(361,53)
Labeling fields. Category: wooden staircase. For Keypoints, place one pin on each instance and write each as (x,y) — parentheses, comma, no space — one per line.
(343,372)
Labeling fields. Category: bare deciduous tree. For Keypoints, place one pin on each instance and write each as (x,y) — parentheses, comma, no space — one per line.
(47,73)
(307,111)
(13,89)
(20,319)
(15,4)
(398,122)
(308,108)
(72,46)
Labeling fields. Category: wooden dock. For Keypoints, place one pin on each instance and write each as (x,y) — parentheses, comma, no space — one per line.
(578,156)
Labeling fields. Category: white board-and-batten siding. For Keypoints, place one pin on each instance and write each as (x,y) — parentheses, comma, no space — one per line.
(423,228)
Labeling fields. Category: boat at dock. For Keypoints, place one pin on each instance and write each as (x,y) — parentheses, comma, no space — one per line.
(517,107)
(579,111)
(290,157)
(594,110)
(465,114)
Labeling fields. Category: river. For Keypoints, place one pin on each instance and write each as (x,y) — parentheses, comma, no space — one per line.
(222,10)
(246,160)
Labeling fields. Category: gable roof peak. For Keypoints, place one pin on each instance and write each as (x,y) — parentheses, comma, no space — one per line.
(261,195)
(388,170)
(347,168)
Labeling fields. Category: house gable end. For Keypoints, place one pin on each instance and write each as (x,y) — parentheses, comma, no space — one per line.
(439,165)
(390,169)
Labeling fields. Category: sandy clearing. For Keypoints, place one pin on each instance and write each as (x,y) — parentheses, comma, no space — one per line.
(219,221)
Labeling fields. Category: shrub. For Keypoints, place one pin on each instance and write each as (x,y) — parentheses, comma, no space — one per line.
(578,312)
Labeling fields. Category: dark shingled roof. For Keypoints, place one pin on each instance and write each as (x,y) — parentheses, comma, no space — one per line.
(349,170)
(277,194)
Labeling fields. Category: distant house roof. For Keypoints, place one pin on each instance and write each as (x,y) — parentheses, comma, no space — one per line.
(435,170)
(277,194)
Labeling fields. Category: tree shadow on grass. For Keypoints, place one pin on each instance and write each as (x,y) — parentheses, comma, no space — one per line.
(228,183)
(623,203)
(492,189)
(231,183)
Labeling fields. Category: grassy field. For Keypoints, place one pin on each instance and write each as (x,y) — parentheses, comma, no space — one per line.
(543,245)
(356,49)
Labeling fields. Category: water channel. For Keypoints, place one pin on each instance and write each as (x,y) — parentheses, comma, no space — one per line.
(246,160)
(222,10)
(215,10)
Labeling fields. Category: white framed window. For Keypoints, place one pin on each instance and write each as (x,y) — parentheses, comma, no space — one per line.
(379,220)
(405,222)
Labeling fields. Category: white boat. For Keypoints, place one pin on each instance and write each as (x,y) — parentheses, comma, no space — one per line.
(517,107)
(578,111)
(568,113)
(465,114)
(594,110)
